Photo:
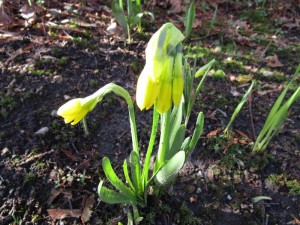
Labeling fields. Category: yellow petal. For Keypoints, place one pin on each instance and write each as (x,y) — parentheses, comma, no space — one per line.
(164,100)
(146,91)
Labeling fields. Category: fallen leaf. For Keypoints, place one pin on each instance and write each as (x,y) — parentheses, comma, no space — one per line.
(87,212)
(177,6)
(71,156)
(213,133)
(234,92)
(58,214)
(53,194)
(273,61)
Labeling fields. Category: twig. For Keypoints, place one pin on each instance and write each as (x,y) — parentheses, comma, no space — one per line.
(36,157)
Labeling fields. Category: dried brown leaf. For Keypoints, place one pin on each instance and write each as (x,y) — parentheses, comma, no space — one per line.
(273,61)
(177,6)
(71,156)
(213,133)
(58,214)
(87,212)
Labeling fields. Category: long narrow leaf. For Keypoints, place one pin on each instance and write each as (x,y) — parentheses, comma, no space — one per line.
(136,172)
(197,132)
(119,14)
(115,181)
(126,174)
(240,105)
(190,18)
(112,197)
(176,143)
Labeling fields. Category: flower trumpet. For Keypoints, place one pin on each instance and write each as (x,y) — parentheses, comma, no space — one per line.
(75,110)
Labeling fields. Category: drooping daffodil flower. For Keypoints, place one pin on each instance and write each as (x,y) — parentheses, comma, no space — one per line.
(161,80)
(74,110)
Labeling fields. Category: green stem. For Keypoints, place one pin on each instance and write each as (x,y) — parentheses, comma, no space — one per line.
(164,140)
(85,128)
(150,146)
(118,90)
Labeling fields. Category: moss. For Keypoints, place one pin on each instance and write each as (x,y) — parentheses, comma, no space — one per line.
(244,79)
(235,66)
(293,186)
(219,74)
(62,61)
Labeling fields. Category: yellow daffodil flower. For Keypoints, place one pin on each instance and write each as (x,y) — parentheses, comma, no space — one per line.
(74,110)
(161,79)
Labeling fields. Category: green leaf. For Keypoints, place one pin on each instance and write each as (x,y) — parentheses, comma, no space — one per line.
(112,197)
(190,18)
(126,174)
(170,170)
(119,14)
(260,198)
(139,16)
(136,172)
(175,120)
(185,144)
(176,143)
(197,132)
(240,105)
(115,181)
(203,69)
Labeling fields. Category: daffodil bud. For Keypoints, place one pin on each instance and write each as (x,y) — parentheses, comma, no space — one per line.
(74,110)
(156,81)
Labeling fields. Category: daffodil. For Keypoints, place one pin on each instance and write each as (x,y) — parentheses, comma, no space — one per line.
(161,80)
(74,110)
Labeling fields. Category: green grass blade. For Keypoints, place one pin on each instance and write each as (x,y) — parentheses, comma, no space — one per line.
(190,18)
(240,105)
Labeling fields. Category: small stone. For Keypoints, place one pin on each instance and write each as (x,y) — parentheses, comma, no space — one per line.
(54,113)
(42,131)
(267,73)
(67,97)
(58,78)
(244,206)
(229,197)
(198,191)
(5,152)
(193,199)
(200,173)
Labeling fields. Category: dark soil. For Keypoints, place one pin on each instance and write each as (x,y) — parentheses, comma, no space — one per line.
(46,164)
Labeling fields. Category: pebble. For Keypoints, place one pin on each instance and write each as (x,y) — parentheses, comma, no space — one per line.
(229,197)
(42,131)
(5,151)
(57,78)
(67,97)
(54,113)
(198,191)
(200,173)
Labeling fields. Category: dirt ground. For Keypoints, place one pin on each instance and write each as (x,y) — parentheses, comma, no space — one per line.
(67,52)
